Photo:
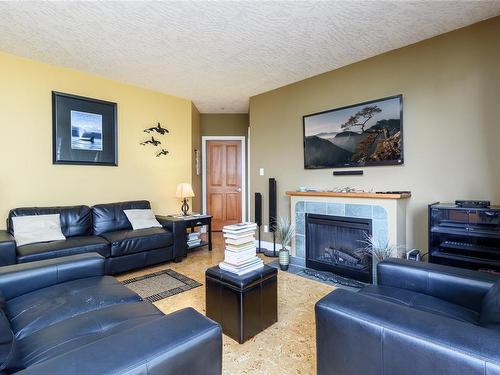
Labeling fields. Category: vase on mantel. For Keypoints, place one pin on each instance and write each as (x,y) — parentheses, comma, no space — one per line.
(284,259)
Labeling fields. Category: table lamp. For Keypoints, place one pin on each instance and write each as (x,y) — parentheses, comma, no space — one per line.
(184,191)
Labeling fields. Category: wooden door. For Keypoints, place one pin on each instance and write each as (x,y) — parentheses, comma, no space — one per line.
(224,182)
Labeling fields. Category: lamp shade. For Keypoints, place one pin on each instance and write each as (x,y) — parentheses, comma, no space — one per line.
(184,190)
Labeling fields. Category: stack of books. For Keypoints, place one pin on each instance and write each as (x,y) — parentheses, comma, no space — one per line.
(240,255)
(193,239)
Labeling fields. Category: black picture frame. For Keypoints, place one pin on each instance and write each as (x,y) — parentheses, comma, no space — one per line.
(350,164)
(84,130)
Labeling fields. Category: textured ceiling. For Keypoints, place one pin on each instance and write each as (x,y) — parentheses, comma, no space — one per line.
(220,53)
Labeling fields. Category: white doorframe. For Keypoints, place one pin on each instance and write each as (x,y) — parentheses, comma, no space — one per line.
(204,140)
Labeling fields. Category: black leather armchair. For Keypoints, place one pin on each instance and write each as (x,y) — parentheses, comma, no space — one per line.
(421,319)
(63,316)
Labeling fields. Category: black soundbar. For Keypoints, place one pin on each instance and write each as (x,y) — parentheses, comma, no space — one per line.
(472,204)
(347,173)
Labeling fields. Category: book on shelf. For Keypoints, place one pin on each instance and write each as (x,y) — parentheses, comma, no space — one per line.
(195,235)
(193,243)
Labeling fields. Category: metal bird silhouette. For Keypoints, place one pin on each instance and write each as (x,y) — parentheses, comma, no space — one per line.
(157,129)
(162,152)
(151,141)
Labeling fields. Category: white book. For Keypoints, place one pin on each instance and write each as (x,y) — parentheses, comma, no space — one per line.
(243,247)
(240,258)
(240,264)
(239,241)
(241,271)
(239,254)
(239,235)
(238,228)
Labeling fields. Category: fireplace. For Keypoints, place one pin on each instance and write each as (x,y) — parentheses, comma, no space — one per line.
(334,243)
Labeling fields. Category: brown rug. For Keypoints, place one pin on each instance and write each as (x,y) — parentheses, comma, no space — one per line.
(159,285)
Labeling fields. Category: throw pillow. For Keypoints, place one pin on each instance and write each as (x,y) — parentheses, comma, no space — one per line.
(490,307)
(141,219)
(37,228)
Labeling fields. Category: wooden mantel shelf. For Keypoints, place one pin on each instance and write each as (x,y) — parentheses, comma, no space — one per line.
(348,195)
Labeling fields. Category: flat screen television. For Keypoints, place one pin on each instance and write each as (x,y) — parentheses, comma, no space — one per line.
(359,135)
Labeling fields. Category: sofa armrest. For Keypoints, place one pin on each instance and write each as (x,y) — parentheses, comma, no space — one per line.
(178,229)
(456,285)
(7,248)
(184,342)
(23,278)
(383,337)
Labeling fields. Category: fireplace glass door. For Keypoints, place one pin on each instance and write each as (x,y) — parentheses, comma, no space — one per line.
(338,244)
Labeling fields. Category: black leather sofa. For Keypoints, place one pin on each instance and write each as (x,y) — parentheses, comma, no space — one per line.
(421,319)
(63,316)
(104,229)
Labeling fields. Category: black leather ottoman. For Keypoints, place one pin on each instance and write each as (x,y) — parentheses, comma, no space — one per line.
(242,305)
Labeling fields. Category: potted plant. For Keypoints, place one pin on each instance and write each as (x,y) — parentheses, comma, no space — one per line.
(284,233)
(378,252)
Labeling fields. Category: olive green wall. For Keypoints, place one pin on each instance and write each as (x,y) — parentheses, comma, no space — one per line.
(196,146)
(451,90)
(224,124)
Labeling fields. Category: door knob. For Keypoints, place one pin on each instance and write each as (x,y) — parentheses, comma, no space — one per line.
(238,190)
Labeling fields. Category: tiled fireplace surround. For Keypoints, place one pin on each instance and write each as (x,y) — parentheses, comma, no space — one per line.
(388,217)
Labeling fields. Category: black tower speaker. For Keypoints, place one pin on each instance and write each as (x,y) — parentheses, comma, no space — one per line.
(258,217)
(258,209)
(273,211)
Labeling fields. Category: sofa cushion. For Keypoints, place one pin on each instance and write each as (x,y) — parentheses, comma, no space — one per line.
(135,241)
(75,220)
(83,329)
(421,302)
(110,217)
(70,246)
(42,308)
(490,307)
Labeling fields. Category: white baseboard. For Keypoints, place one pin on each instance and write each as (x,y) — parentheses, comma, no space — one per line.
(266,245)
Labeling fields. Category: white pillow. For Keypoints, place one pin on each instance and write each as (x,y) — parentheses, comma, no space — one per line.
(37,228)
(141,219)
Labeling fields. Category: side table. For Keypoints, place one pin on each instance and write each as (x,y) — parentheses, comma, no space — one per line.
(190,222)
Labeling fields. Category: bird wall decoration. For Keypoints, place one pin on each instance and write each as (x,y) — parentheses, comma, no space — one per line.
(161,131)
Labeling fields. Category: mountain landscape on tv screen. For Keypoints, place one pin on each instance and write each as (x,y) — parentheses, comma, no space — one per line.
(359,135)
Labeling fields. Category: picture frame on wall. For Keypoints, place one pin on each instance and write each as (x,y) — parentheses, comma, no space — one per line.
(84,130)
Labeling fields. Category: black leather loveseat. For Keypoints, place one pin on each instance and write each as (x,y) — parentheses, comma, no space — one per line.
(421,319)
(63,316)
(104,229)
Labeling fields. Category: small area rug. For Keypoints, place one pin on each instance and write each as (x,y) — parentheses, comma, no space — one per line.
(159,285)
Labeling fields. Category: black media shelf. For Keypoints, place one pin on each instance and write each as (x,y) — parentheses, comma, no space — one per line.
(464,237)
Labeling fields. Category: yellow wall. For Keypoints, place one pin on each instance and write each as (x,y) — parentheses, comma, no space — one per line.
(28,176)
(451,89)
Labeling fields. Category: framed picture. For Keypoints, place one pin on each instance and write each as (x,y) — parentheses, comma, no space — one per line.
(84,130)
(359,135)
